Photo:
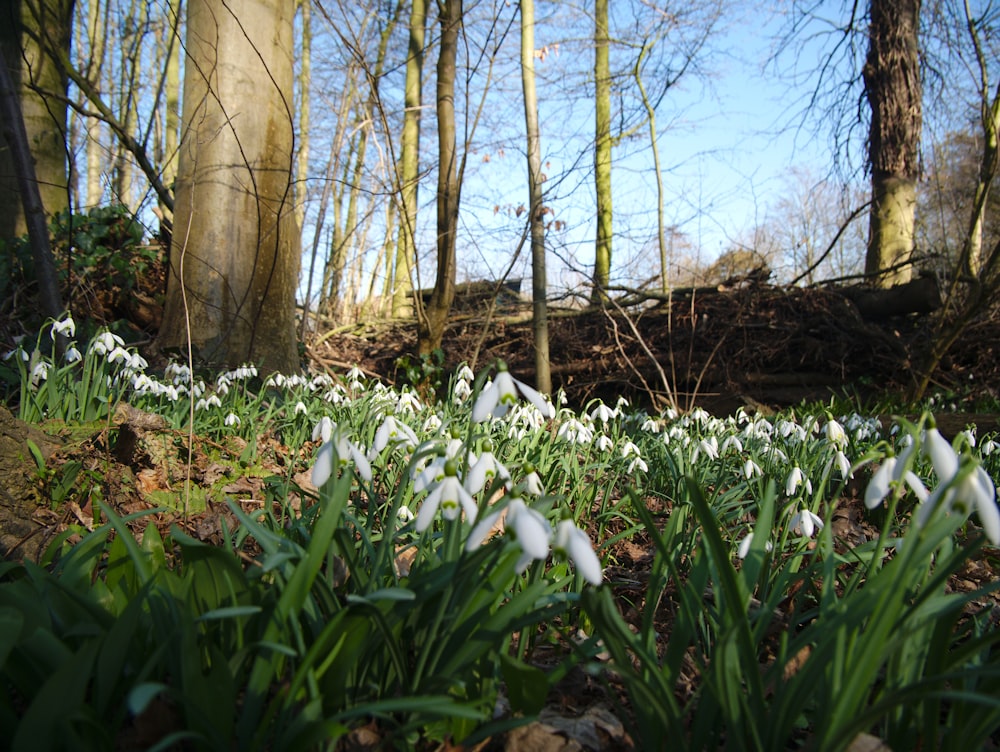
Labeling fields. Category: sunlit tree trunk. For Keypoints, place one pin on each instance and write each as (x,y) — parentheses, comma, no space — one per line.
(96,150)
(305,76)
(128,92)
(540,312)
(409,157)
(430,328)
(602,151)
(235,243)
(172,97)
(892,86)
(25,39)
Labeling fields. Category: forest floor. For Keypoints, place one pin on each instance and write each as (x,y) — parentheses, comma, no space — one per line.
(759,347)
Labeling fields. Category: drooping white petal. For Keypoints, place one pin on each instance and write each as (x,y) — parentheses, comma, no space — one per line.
(532,529)
(578,548)
(323,467)
(485,403)
(942,456)
(878,486)
(535,398)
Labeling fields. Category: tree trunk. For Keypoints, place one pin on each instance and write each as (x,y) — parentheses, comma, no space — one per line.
(539,303)
(409,158)
(430,330)
(305,77)
(26,41)
(602,152)
(235,252)
(96,160)
(892,85)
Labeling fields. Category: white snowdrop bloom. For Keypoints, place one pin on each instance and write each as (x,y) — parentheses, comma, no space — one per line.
(574,544)
(339,452)
(751,469)
(794,480)
(629,449)
(276,380)
(879,485)
(72,355)
(987,447)
(744,547)
(776,454)
(323,430)
(575,432)
(300,408)
(432,423)
(974,492)
(334,395)
(709,447)
(835,433)
(39,372)
(66,327)
(604,443)
(483,471)
(650,425)
(637,463)
(805,523)
(246,371)
(232,419)
(403,514)
(105,342)
(17,351)
(943,457)
(449,496)
(731,443)
(603,413)
(501,395)
(142,384)
(408,402)
(465,373)
(842,464)
(462,391)
(968,436)
(531,483)
(393,433)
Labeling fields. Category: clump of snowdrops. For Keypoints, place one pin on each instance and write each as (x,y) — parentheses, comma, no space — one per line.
(445,541)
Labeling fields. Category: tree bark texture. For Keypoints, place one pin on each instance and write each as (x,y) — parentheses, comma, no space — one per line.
(602,151)
(892,85)
(28,31)
(402,288)
(235,241)
(539,303)
(431,325)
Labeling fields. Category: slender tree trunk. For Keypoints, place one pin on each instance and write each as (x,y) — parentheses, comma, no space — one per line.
(539,303)
(892,85)
(409,158)
(305,77)
(30,46)
(602,151)
(96,154)
(16,138)
(661,228)
(235,254)
(431,325)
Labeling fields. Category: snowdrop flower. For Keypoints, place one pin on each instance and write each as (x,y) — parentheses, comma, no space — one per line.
(105,342)
(603,413)
(805,523)
(878,486)
(300,408)
(733,443)
(604,443)
(484,470)
(40,372)
(462,391)
(751,469)
(323,429)
(630,449)
(408,402)
(843,464)
(450,496)
(465,373)
(501,395)
(943,457)
(988,447)
(744,547)
(530,529)
(72,354)
(637,463)
(431,424)
(66,327)
(650,425)
(531,483)
(972,491)
(232,420)
(339,451)
(392,433)
(575,432)
(796,479)
(403,514)
(574,544)
(835,433)
(245,371)
(709,446)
